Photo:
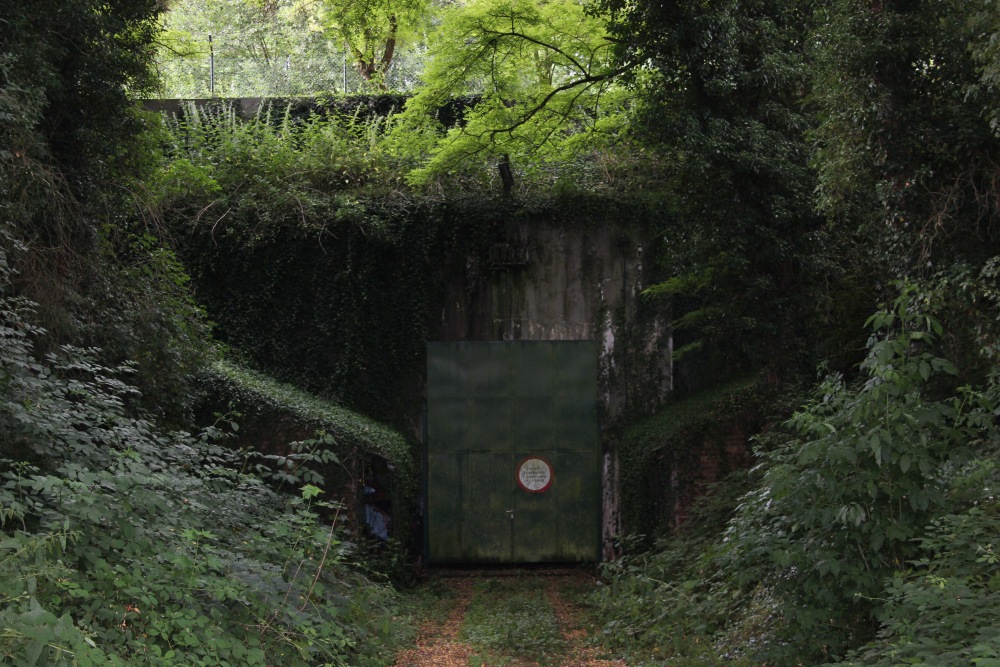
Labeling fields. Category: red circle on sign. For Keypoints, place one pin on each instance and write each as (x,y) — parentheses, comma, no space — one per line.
(534,474)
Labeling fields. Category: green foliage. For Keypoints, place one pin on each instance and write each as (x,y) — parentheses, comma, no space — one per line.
(346,428)
(291,47)
(347,447)
(72,155)
(70,68)
(320,266)
(905,149)
(674,605)
(754,278)
(260,49)
(943,608)
(546,85)
(512,617)
(869,520)
(984,25)
(124,543)
(281,208)
(373,30)
(552,58)
(278,168)
(140,309)
(841,503)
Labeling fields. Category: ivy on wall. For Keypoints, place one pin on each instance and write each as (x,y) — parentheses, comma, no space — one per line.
(255,395)
(318,265)
(344,312)
(295,433)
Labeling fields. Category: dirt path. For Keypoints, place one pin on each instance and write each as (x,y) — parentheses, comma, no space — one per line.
(578,653)
(438,645)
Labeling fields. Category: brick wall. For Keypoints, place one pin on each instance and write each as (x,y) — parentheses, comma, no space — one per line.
(724,448)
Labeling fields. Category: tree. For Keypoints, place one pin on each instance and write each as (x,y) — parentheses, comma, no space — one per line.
(372,30)
(69,72)
(541,73)
(905,149)
(720,88)
(260,49)
(289,47)
(74,147)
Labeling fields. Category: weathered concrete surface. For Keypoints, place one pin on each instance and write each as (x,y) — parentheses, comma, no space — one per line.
(549,282)
(557,282)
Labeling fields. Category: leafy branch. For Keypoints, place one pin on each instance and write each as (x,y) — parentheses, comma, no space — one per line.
(540,70)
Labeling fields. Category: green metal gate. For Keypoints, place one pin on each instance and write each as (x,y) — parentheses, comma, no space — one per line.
(513,452)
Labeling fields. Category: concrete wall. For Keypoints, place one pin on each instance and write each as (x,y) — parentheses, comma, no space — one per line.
(553,282)
(549,281)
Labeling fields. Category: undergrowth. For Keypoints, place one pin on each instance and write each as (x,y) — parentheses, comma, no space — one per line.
(125,544)
(511,617)
(665,606)
(867,534)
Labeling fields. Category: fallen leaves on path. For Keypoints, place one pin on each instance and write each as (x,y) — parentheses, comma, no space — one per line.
(437,643)
(569,616)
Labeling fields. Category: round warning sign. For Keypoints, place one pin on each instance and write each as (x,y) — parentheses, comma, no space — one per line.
(534,474)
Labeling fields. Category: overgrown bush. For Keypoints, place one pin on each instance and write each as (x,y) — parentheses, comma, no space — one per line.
(72,163)
(660,447)
(668,604)
(122,543)
(943,608)
(871,519)
(358,458)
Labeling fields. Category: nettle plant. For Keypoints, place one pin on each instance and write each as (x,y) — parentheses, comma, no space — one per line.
(123,544)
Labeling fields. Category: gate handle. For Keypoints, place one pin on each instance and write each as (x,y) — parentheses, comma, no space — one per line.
(511,513)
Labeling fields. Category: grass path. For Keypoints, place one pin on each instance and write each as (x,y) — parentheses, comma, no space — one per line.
(437,643)
(507,620)
(570,617)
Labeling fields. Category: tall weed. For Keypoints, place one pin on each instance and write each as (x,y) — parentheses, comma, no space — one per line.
(272,169)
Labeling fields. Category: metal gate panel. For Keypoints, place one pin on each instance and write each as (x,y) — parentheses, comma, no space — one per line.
(444,494)
(486,529)
(489,407)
